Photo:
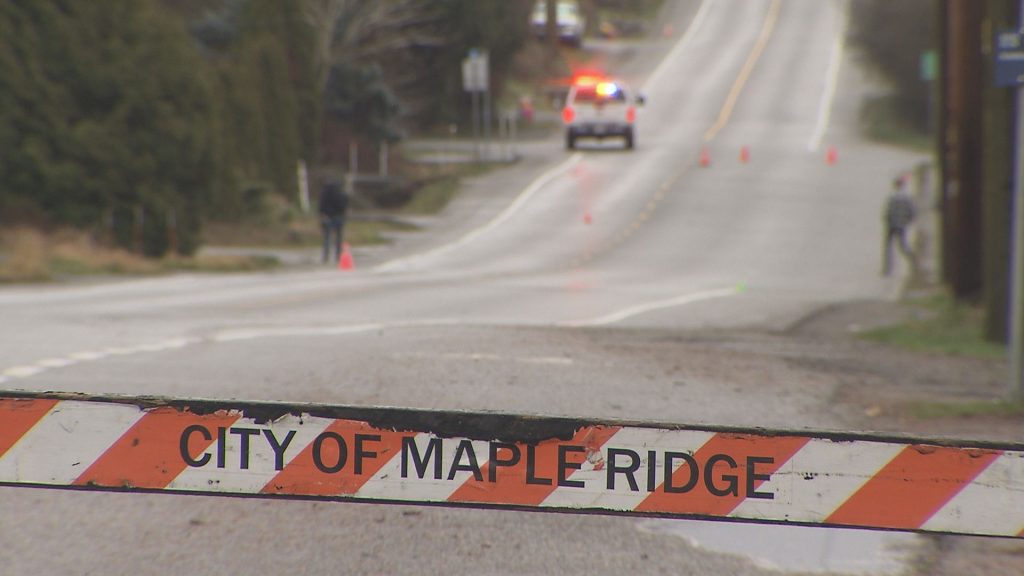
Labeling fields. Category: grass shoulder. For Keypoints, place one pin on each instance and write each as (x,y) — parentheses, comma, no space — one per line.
(965,410)
(939,325)
(32,256)
(440,186)
(883,123)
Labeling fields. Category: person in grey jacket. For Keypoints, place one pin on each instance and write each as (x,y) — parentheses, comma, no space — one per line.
(333,206)
(898,215)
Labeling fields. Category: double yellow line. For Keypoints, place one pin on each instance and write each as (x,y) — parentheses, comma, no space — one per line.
(748,68)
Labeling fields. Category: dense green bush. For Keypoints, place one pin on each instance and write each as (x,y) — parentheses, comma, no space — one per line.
(101,109)
(146,117)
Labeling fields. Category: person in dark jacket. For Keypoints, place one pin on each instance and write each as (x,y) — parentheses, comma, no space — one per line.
(333,206)
(899,214)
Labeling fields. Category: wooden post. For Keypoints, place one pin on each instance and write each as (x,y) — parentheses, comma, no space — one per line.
(140,224)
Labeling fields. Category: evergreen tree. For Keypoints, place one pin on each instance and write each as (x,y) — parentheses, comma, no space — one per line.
(102,111)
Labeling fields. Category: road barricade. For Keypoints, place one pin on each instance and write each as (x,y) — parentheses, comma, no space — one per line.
(502,461)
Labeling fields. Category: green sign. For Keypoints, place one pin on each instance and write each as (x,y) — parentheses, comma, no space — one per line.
(929,65)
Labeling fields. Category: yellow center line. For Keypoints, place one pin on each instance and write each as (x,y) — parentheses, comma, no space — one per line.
(767,29)
(748,69)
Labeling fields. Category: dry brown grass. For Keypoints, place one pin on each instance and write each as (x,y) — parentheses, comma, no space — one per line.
(74,252)
(28,255)
(24,255)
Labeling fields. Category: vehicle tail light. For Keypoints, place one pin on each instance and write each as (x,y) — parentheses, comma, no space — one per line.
(568,114)
(631,114)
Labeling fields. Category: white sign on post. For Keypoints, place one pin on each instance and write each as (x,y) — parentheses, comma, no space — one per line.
(475,72)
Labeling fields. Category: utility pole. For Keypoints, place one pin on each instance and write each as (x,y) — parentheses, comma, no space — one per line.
(551,23)
(1017,283)
(962,161)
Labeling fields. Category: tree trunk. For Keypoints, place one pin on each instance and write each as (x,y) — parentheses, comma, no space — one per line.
(551,22)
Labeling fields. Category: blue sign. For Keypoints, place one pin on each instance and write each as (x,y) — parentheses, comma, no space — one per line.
(1010,59)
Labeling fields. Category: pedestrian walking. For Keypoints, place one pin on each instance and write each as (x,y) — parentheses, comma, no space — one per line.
(898,215)
(333,207)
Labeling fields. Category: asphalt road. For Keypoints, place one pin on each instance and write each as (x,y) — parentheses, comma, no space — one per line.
(549,287)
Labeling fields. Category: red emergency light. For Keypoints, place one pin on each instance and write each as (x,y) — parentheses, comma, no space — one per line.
(588,78)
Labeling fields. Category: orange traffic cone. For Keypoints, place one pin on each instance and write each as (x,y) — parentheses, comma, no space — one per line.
(831,157)
(745,154)
(705,157)
(346,262)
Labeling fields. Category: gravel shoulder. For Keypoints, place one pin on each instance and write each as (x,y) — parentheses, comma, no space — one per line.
(873,384)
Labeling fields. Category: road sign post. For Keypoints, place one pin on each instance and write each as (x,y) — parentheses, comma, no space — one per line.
(476,81)
(1009,72)
(929,72)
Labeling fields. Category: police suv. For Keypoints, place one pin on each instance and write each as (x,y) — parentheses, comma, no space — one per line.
(600,108)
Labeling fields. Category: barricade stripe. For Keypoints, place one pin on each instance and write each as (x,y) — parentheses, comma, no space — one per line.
(264,448)
(312,471)
(612,489)
(149,454)
(399,478)
(513,484)
(818,479)
(772,452)
(65,441)
(994,498)
(17,417)
(913,487)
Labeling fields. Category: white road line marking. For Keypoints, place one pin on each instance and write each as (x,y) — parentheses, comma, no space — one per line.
(748,68)
(243,334)
(236,335)
(119,351)
(55,363)
(497,221)
(831,84)
(625,313)
(695,24)
(87,356)
(476,356)
(23,371)
(550,360)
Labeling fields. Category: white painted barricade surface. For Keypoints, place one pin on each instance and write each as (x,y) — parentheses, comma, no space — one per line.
(513,462)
